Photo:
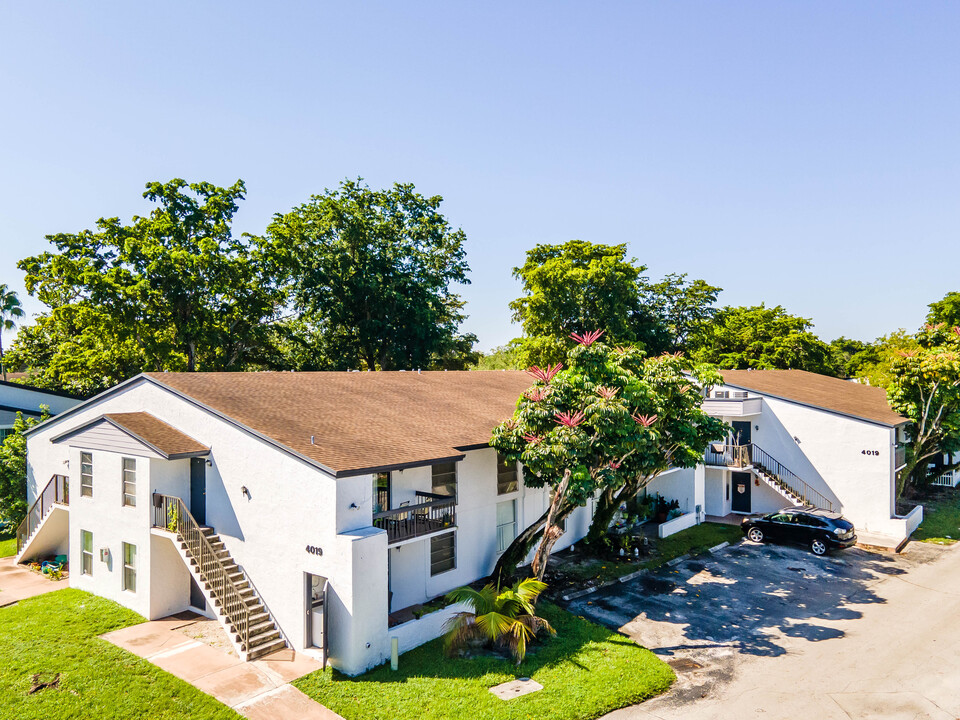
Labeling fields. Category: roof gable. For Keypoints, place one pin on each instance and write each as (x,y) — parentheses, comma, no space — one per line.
(843,397)
(134,432)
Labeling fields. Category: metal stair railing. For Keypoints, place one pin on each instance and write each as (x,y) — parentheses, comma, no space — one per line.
(787,479)
(56,492)
(170,513)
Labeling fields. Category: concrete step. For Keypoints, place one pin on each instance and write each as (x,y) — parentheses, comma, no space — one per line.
(266,649)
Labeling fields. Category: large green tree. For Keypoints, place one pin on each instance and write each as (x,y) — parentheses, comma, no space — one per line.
(174,290)
(925,387)
(13,468)
(577,286)
(764,338)
(946,311)
(605,425)
(10,312)
(369,276)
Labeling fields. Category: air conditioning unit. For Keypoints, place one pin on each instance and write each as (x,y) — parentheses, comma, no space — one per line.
(740,395)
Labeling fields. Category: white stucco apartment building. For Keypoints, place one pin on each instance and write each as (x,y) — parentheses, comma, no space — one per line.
(313,510)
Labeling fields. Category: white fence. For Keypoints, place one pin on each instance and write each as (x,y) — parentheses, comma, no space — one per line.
(948,479)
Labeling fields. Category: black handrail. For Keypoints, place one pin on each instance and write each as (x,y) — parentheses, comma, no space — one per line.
(56,492)
(751,454)
(424,518)
(170,513)
(786,478)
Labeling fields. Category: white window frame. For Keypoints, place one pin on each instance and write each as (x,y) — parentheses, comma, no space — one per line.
(128,567)
(85,554)
(124,493)
(86,488)
(501,546)
(516,478)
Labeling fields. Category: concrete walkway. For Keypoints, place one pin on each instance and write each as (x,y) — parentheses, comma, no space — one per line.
(889,650)
(17,583)
(259,690)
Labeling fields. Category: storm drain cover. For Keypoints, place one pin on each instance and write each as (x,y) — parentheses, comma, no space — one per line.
(684,665)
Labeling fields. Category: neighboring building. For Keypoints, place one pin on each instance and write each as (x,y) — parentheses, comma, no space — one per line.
(327,504)
(799,437)
(16,397)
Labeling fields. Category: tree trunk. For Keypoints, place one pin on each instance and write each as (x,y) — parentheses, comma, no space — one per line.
(551,530)
(517,551)
(603,513)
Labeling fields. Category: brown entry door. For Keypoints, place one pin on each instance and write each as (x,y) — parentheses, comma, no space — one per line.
(741,492)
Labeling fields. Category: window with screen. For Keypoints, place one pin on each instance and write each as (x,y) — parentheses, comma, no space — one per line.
(507,480)
(445,479)
(443,553)
(506,524)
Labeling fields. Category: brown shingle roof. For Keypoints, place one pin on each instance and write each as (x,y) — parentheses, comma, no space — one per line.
(361,422)
(161,436)
(821,391)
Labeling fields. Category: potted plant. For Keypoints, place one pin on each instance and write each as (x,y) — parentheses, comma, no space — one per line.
(663,507)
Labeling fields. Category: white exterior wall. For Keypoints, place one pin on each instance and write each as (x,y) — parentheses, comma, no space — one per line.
(27,399)
(679,484)
(476,529)
(291,505)
(825,450)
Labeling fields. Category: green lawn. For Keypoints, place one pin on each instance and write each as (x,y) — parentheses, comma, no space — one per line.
(586,671)
(692,540)
(8,546)
(57,632)
(941,518)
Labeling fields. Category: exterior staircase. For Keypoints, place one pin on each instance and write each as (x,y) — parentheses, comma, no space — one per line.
(45,527)
(771,471)
(239,609)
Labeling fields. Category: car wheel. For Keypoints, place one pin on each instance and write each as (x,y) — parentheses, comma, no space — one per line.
(755,535)
(818,547)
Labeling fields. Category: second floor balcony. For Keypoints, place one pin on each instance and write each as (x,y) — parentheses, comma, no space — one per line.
(431,513)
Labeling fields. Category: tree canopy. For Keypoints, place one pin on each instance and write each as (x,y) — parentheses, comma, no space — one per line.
(171,291)
(925,387)
(578,286)
(368,275)
(759,337)
(946,311)
(609,421)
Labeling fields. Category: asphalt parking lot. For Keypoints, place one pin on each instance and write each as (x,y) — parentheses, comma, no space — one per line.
(709,615)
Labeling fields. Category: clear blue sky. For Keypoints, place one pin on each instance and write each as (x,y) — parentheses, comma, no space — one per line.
(802,153)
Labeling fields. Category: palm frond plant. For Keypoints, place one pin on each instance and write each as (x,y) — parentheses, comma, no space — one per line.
(501,618)
(10,310)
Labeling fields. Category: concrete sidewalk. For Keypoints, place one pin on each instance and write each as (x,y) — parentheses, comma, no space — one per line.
(17,583)
(259,690)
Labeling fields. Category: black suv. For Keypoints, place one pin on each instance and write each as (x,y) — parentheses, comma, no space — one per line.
(819,530)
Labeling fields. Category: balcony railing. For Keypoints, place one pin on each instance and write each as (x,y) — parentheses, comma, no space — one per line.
(56,492)
(435,513)
(720,454)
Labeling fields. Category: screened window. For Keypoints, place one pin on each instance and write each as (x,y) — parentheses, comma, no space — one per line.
(86,474)
(445,479)
(86,552)
(443,553)
(130,482)
(507,481)
(506,524)
(129,567)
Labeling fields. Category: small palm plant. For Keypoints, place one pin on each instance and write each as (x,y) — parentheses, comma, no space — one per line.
(500,617)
